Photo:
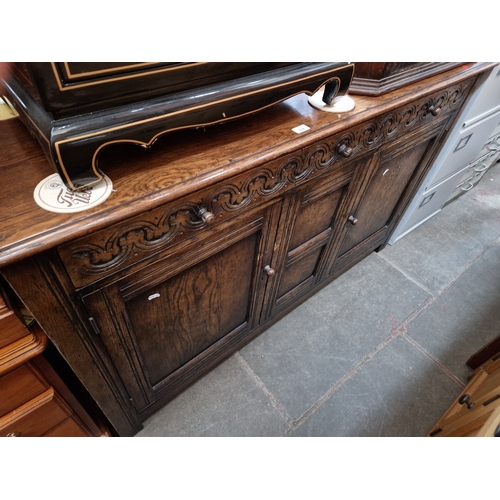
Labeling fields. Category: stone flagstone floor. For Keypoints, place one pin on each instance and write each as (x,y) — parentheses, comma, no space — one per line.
(381,351)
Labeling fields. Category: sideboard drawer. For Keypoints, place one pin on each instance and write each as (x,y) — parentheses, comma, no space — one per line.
(18,387)
(11,329)
(36,417)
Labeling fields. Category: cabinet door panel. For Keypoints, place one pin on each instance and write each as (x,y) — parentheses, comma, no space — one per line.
(168,323)
(314,211)
(299,272)
(176,320)
(382,196)
(315,217)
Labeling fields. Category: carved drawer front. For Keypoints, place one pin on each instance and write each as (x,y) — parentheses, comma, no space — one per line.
(166,324)
(144,238)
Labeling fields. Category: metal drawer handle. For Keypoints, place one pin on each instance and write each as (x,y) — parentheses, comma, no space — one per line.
(469,188)
(464,400)
(352,220)
(485,167)
(13,435)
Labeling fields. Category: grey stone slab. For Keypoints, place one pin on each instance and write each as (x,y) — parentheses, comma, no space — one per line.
(439,250)
(302,356)
(488,189)
(226,402)
(465,317)
(399,392)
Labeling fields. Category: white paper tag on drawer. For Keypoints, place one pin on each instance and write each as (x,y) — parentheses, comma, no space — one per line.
(300,129)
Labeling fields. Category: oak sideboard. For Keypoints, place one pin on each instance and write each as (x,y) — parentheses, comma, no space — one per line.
(213,234)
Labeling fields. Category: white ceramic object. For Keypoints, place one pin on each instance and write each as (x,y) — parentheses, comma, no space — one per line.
(52,195)
(340,104)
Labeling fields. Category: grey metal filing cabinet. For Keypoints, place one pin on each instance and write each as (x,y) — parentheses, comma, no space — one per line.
(472,147)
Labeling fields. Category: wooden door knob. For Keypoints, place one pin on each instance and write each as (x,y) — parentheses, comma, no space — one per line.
(345,150)
(269,271)
(206,216)
(434,110)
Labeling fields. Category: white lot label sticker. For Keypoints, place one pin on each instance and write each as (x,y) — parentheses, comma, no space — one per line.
(300,129)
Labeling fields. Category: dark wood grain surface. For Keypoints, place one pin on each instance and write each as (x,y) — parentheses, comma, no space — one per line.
(179,162)
(283,207)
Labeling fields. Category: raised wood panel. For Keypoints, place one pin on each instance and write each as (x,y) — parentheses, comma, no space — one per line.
(313,217)
(177,320)
(310,232)
(299,272)
(281,204)
(164,323)
(382,196)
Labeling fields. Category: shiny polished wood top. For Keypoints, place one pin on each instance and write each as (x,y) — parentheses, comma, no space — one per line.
(177,164)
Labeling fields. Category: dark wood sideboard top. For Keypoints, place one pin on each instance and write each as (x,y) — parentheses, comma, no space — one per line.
(177,164)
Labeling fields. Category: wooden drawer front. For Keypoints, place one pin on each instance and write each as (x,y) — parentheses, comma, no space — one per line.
(468,424)
(18,387)
(482,399)
(68,428)
(143,238)
(11,327)
(36,417)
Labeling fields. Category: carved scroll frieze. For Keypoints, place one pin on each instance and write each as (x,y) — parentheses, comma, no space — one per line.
(127,241)
(144,235)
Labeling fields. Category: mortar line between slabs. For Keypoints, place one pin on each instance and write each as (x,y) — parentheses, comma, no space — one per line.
(468,264)
(405,274)
(400,329)
(352,371)
(433,359)
(248,369)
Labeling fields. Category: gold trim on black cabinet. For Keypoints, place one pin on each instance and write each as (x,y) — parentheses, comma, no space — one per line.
(76,141)
(74,86)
